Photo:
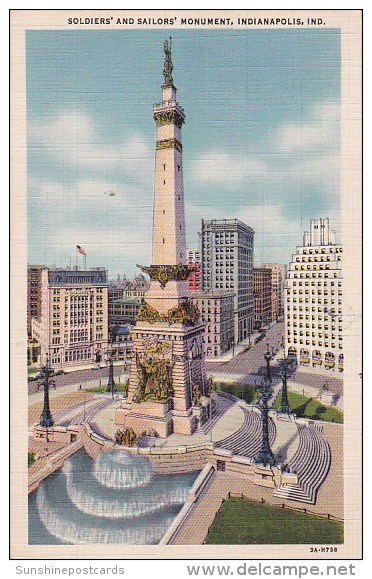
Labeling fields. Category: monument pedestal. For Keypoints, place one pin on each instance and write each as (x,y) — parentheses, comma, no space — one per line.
(154,419)
(167,375)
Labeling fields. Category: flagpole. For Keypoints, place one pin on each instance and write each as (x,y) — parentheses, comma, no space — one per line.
(85,261)
(76,257)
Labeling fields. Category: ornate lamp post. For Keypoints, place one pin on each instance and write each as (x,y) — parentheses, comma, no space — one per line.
(111,386)
(46,420)
(265,456)
(268,357)
(284,403)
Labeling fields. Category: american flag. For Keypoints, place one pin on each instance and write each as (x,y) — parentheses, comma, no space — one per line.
(81,250)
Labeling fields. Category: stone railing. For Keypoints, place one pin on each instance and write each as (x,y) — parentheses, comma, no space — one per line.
(97,438)
(51,463)
(194,493)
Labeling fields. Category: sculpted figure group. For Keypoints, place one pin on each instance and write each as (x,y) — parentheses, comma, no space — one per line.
(154,379)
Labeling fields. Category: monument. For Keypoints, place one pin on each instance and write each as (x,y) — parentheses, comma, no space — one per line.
(168,389)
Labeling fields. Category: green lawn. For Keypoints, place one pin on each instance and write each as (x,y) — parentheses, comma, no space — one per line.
(103,389)
(244,522)
(312,408)
(246,392)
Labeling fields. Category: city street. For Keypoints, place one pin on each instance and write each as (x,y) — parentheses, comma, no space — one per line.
(80,377)
(246,368)
(250,365)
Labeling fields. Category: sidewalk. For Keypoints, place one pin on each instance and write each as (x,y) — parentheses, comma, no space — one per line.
(93,367)
(39,396)
(236,350)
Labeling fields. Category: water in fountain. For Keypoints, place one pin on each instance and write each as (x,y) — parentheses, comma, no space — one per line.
(121,470)
(73,506)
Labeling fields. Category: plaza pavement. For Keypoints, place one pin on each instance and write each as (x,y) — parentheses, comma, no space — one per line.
(194,529)
(228,423)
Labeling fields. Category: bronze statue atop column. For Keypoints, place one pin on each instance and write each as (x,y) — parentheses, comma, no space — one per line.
(168,65)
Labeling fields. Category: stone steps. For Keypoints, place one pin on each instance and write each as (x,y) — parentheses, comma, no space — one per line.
(223,404)
(247,440)
(311,463)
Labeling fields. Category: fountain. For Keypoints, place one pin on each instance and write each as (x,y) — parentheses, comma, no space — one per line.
(114,499)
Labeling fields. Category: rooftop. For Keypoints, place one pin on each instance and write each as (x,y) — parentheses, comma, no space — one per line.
(212,294)
(226,223)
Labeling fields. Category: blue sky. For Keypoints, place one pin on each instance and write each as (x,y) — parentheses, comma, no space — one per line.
(261,140)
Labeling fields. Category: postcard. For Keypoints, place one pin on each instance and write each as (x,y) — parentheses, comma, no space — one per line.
(186,284)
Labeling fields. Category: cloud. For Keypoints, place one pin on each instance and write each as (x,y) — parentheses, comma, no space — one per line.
(319,132)
(70,184)
(275,190)
(85,214)
(219,166)
(115,235)
(276,232)
(73,139)
(66,130)
(96,192)
(300,156)
(324,170)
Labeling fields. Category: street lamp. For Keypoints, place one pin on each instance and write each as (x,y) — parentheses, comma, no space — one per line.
(284,403)
(46,420)
(268,357)
(265,455)
(111,386)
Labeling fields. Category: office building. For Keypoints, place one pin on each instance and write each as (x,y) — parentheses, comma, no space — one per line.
(195,277)
(217,312)
(278,277)
(227,264)
(72,325)
(313,294)
(263,296)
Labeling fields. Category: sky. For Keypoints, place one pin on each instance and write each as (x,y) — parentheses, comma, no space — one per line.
(261,141)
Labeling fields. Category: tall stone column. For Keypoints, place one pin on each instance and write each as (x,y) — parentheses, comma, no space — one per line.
(167,377)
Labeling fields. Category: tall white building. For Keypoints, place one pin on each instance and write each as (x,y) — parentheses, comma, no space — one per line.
(313,300)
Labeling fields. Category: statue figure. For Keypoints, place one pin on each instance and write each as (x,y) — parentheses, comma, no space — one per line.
(154,378)
(196,396)
(165,378)
(142,380)
(168,65)
(186,313)
(148,314)
(151,371)
(126,437)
